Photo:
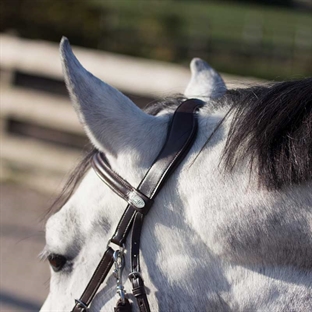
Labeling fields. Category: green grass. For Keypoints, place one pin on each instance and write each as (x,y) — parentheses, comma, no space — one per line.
(262,41)
(220,21)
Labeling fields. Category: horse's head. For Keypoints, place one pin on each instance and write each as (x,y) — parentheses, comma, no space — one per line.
(210,234)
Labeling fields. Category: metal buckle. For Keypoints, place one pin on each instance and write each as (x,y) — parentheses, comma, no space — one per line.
(81,305)
(134,275)
(119,261)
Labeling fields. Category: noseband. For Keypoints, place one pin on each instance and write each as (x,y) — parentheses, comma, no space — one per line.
(180,137)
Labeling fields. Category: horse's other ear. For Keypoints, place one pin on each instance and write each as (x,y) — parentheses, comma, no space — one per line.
(205,82)
(113,123)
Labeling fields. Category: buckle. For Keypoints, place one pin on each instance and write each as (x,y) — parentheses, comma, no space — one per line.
(133,275)
(119,261)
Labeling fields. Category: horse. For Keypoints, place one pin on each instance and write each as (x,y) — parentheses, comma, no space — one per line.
(231,229)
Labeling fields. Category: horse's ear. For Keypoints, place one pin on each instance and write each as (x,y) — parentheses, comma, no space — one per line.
(113,123)
(205,82)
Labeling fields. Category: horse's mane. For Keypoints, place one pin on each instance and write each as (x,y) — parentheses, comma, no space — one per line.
(272,128)
(73,181)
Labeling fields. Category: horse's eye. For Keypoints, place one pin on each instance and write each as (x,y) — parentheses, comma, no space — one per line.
(57,262)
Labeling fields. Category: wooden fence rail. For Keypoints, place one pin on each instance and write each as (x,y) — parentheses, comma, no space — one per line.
(41,138)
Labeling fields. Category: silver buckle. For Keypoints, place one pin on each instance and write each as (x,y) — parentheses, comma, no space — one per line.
(119,261)
(134,275)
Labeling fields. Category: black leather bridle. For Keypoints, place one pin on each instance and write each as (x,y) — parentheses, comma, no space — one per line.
(180,137)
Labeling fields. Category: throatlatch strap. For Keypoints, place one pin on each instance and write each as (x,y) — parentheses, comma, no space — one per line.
(181,134)
(138,287)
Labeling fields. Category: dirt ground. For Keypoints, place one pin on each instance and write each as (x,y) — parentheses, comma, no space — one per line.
(24,279)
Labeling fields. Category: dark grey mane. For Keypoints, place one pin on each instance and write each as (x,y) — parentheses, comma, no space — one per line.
(73,181)
(272,127)
(154,108)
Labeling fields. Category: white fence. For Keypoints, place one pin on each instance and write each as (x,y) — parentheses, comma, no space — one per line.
(34,123)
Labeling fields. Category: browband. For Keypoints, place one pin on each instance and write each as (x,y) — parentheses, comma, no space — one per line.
(181,134)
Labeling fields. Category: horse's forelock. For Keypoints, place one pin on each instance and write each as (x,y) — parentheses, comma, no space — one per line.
(72,182)
(272,126)
(157,106)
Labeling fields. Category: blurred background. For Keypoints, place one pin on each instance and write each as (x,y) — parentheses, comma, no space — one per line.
(141,47)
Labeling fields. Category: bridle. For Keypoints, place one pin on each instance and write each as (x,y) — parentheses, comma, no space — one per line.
(180,137)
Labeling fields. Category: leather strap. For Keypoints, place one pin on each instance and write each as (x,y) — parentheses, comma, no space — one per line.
(96,280)
(180,138)
(135,241)
(116,183)
(138,287)
(181,134)
(138,291)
